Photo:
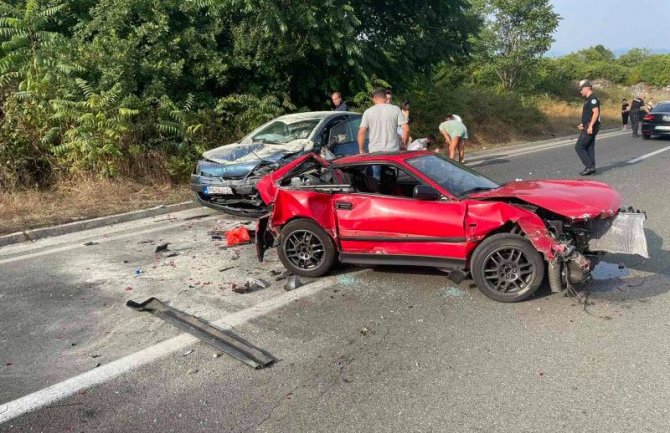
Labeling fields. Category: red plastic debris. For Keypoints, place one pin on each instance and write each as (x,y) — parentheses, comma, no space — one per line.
(237,236)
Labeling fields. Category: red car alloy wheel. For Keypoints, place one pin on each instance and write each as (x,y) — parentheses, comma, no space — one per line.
(304,250)
(508,270)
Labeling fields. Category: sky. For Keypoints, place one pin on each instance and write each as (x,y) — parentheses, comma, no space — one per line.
(617,24)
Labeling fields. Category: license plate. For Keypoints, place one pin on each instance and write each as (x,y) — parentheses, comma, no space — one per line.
(224,190)
(663,128)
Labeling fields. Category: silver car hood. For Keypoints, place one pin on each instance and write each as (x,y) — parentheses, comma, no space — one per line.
(241,153)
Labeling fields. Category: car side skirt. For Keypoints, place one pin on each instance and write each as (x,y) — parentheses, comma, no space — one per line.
(448,240)
(402,260)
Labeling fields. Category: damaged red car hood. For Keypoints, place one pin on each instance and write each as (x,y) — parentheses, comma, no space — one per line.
(575,199)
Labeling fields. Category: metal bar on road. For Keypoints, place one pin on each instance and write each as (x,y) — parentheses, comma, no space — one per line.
(225,341)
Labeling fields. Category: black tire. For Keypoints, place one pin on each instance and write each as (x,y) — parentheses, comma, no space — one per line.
(306,249)
(507,268)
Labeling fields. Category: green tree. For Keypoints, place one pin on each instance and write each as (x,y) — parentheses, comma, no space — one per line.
(92,131)
(401,39)
(33,70)
(30,50)
(655,70)
(634,57)
(596,53)
(515,35)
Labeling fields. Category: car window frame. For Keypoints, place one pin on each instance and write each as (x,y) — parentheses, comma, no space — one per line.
(397,166)
(323,131)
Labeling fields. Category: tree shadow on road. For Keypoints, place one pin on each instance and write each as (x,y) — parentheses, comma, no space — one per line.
(495,160)
(605,169)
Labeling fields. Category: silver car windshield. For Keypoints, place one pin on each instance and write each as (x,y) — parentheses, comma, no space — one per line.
(280,132)
(455,178)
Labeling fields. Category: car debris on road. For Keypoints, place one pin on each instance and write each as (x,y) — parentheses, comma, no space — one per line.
(223,340)
(162,247)
(292,283)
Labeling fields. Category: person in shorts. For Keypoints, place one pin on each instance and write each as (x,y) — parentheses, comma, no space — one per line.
(454,133)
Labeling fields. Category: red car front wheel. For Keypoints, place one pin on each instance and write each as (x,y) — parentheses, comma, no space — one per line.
(507,268)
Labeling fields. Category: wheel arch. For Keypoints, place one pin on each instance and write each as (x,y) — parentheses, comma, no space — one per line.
(492,218)
(330,232)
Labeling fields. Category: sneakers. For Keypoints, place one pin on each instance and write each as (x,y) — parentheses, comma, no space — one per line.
(587,172)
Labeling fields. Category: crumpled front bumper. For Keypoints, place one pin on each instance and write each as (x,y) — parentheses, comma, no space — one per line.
(235,196)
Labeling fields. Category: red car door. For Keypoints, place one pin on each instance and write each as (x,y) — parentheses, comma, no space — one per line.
(385,229)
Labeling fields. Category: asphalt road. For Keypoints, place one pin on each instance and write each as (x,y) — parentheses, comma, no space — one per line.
(384,349)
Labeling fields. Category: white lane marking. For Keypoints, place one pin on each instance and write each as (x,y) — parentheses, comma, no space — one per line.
(106,372)
(643,157)
(99,240)
(483,159)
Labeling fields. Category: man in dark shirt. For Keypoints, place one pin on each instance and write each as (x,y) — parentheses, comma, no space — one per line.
(585,146)
(339,104)
(635,114)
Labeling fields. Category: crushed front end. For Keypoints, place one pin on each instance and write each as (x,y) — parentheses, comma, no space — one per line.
(230,188)
(583,241)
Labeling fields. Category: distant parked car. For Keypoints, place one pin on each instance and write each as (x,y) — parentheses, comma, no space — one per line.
(657,122)
(420,208)
(225,178)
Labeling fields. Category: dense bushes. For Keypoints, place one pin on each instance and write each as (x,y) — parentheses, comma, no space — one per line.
(115,87)
(655,70)
(141,88)
(491,116)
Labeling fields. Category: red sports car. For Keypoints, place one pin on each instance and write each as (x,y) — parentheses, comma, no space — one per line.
(421,208)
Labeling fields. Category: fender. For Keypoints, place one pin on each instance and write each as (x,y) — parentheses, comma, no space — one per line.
(484,217)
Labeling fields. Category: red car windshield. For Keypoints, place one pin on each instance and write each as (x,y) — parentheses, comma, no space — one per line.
(455,178)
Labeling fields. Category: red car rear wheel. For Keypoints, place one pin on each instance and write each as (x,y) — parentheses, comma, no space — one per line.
(507,268)
(306,249)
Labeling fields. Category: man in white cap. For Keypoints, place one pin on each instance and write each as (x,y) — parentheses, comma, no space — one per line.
(585,146)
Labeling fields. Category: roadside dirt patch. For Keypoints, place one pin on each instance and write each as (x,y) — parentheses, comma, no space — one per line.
(82,199)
